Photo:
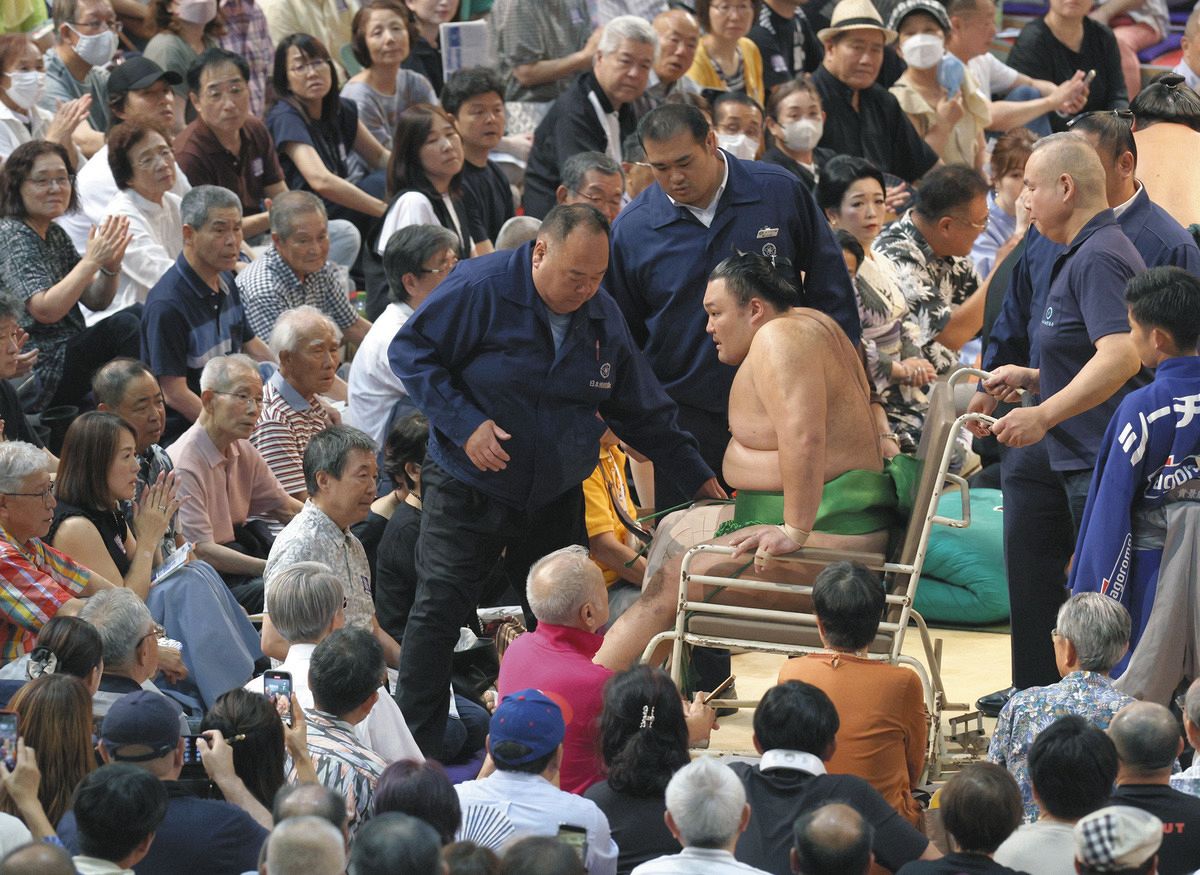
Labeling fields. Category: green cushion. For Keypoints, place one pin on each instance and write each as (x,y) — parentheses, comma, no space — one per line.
(963,579)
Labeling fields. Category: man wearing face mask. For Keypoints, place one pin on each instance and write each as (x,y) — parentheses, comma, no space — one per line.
(738,121)
(796,122)
(85,34)
(595,113)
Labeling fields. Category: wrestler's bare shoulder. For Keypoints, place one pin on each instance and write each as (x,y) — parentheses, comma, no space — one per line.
(796,332)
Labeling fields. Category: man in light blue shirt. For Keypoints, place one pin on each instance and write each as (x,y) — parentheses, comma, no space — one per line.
(526,745)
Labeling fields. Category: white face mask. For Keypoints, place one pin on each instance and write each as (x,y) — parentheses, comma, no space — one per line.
(923,50)
(803,134)
(197,11)
(96,49)
(738,145)
(25,89)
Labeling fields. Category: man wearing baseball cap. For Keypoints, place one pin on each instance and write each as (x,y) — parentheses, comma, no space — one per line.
(139,91)
(862,117)
(525,744)
(1117,839)
(197,836)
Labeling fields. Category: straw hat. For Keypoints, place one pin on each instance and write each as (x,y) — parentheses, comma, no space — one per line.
(855,15)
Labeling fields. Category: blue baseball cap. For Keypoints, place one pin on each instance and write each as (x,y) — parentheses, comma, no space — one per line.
(530,718)
(141,726)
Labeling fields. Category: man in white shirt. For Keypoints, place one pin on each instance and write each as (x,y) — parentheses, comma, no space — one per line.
(526,746)
(305,605)
(416,260)
(972,29)
(1072,766)
(706,812)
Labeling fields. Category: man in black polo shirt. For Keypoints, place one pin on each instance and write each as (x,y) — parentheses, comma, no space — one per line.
(863,118)
(794,730)
(475,97)
(1147,739)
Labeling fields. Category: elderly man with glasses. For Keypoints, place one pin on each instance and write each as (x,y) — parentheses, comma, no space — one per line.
(36,581)
(593,178)
(1090,637)
(225,481)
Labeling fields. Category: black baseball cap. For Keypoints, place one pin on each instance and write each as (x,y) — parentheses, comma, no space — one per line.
(137,74)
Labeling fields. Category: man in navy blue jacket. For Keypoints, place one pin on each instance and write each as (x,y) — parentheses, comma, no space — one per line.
(518,362)
(704,206)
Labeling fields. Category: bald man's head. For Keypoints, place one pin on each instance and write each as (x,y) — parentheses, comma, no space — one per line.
(678,37)
(1146,736)
(566,588)
(37,858)
(832,840)
(1066,182)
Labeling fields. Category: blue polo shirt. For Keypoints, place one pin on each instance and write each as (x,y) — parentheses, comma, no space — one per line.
(1085,302)
(1158,238)
(662,256)
(185,323)
(482,347)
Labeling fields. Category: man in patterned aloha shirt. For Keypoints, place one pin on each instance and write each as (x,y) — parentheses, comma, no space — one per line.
(1091,636)
(931,250)
(346,671)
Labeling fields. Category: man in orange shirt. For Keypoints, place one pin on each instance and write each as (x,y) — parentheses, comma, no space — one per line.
(884,724)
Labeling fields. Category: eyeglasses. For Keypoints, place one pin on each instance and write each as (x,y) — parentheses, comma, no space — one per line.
(978,226)
(46,495)
(598,201)
(42,183)
(164,156)
(445,268)
(316,64)
(247,400)
(98,26)
(157,632)
(734,8)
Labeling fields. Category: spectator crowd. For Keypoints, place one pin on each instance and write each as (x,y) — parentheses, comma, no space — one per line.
(326,324)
